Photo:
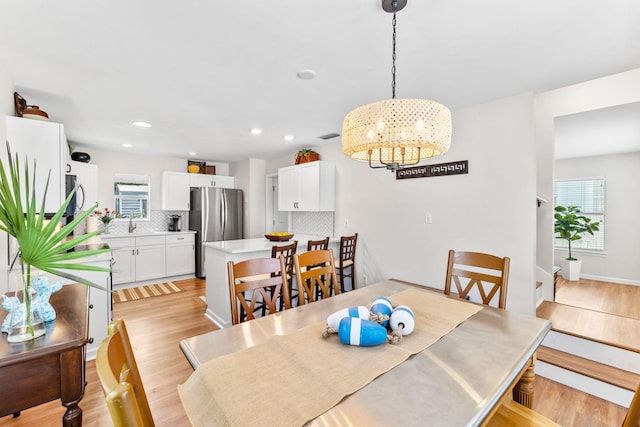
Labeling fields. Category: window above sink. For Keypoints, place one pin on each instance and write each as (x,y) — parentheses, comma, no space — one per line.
(131,196)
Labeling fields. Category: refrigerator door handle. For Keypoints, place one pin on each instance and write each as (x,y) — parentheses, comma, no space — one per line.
(225,212)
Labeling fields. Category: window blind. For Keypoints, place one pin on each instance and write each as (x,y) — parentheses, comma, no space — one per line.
(589,196)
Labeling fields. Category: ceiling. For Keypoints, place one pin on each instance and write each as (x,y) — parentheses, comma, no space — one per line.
(612,130)
(204,73)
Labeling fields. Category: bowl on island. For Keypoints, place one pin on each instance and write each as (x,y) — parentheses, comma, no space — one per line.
(278,236)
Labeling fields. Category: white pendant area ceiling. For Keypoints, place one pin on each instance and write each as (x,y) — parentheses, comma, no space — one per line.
(205,73)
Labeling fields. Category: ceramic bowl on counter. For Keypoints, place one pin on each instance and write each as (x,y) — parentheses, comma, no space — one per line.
(278,237)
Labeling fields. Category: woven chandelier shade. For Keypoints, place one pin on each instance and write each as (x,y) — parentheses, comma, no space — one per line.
(401,131)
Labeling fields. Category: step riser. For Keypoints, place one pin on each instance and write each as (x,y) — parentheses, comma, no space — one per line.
(580,382)
(598,352)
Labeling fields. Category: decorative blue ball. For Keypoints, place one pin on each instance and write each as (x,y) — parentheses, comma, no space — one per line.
(382,305)
(360,311)
(361,332)
(403,315)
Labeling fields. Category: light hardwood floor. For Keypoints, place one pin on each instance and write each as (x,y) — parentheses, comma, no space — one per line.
(612,298)
(156,326)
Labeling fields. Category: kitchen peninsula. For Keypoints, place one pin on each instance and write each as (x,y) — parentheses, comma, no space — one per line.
(217,254)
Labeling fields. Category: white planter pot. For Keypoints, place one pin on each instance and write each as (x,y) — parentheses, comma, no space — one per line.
(571,269)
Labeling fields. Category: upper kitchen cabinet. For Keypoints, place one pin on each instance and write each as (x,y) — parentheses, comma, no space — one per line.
(204,180)
(87,181)
(175,191)
(45,143)
(309,187)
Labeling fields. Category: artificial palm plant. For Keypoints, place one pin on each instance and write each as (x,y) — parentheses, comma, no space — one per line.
(41,245)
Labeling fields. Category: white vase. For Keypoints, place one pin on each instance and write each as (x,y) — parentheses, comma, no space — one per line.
(571,269)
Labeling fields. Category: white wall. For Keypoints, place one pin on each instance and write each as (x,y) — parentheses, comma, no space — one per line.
(622,204)
(617,89)
(6,109)
(250,178)
(492,209)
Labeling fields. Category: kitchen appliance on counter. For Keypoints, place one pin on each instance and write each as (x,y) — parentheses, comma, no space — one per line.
(174,222)
(216,214)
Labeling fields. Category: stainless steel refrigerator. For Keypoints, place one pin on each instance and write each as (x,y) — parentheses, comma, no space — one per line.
(216,214)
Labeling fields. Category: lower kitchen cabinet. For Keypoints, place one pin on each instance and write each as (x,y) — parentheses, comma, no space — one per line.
(180,254)
(145,258)
(137,258)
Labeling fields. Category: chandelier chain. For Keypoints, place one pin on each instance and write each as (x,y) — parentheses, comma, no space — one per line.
(393,56)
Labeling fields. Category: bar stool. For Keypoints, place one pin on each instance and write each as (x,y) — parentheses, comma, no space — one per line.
(316,245)
(346,262)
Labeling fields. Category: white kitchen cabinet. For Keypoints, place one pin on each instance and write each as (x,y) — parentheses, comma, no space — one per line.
(180,254)
(44,142)
(205,180)
(150,257)
(309,187)
(136,258)
(123,252)
(146,258)
(87,177)
(175,191)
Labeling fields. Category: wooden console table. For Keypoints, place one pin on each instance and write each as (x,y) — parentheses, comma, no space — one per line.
(52,366)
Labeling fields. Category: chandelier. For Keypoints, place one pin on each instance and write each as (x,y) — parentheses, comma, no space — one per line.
(395,133)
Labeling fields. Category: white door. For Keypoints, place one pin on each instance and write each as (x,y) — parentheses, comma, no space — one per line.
(276,220)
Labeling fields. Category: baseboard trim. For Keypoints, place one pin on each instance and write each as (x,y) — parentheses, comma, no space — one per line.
(611,279)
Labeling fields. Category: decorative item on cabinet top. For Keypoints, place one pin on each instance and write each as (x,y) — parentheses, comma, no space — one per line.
(197,166)
(306,155)
(27,111)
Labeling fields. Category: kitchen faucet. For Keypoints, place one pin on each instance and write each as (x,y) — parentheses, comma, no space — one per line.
(132,226)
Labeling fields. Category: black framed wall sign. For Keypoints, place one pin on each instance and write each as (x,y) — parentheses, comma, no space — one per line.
(440,169)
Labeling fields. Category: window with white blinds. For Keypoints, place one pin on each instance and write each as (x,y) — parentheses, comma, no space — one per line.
(588,195)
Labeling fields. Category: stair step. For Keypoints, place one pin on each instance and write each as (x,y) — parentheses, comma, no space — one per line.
(605,373)
(605,328)
(538,284)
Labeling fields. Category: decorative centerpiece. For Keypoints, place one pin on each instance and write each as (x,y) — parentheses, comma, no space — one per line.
(279,236)
(42,245)
(105,218)
(364,327)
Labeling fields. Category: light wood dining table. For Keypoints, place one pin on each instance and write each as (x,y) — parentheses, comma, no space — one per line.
(457,381)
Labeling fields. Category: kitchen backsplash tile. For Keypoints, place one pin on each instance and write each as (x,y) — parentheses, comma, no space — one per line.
(316,223)
(159,222)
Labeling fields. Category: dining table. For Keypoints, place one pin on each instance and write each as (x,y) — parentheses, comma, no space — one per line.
(458,379)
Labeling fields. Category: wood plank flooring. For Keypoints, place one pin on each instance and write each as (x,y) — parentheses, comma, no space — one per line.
(612,298)
(156,326)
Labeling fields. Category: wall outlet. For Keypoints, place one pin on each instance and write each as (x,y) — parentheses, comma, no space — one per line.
(427,218)
(365,279)
(346,222)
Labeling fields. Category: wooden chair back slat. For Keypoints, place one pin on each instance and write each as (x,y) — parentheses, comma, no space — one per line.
(315,275)
(488,284)
(121,380)
(318,245)
(263,278)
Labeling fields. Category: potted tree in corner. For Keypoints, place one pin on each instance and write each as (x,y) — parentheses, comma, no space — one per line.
(570,225)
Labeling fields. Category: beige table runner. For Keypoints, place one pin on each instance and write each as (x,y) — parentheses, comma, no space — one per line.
(294,378)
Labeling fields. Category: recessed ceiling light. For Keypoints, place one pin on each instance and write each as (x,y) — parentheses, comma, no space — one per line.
(288,138)
(256,131)
(192,153)
(127,145)
(141,124)
(307,74)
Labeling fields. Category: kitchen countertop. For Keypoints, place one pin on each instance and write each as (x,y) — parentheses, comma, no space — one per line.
(261,243)
(142,234)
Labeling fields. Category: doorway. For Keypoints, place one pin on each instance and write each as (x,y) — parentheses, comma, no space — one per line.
(276,220)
